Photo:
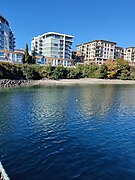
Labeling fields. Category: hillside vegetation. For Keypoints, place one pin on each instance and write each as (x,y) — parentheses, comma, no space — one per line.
(118,69)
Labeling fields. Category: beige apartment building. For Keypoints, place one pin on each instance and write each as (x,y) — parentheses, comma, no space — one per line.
(98,51)
(129,55)
(119,52)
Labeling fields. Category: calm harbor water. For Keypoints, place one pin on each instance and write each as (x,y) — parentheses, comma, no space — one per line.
(74,132)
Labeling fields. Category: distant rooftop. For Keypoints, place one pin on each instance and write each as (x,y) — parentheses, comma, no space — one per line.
(130,47)
(97,41)
(4,20)
(55,33)
(119,47)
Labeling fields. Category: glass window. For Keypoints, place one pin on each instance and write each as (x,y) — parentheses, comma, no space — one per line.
(1,53)
(55,44)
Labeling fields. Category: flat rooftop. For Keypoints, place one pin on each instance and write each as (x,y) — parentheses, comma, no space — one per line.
(100,40)
(54,33)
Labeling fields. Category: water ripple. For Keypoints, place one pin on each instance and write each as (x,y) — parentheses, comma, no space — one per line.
(46,134)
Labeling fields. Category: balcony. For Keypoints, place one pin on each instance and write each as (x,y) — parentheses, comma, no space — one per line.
(99,45)
(69,40)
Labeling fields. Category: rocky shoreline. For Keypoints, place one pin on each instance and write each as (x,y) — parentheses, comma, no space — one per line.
(7,83)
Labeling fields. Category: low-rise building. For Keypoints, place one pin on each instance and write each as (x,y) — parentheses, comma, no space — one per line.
(40,59)
(17,55)
(59,62)
(11,56)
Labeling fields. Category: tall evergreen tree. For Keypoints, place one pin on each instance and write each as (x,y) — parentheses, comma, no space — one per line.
(27,54)
(23,59)
(27,50)
(28,58)
(34,56)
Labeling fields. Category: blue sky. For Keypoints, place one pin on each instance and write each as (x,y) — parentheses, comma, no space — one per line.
(87,20)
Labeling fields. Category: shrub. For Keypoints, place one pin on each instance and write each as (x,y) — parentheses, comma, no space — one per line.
(103,71)
(59,72)
(73,73)
(123,69)
(29,72)
(46,71)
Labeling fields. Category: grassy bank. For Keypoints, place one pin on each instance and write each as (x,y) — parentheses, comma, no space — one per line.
(118,69)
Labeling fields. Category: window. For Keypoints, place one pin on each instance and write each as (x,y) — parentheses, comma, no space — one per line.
(68,38)
(1,53)
(57,36)
(1,58)
(55,44)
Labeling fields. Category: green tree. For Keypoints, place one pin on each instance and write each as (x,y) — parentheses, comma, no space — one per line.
(34,56)
(27,58)
(27,50)
(23,59)
(103,71)
(123,69)
(59,72)
(111,69)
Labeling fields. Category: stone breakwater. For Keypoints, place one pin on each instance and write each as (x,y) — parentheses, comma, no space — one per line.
(7,83)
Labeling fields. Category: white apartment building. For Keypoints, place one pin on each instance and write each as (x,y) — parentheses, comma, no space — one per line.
(98,51)
(129,54)
(54,45)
